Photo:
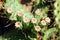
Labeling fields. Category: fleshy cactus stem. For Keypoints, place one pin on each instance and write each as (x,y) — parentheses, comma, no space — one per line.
(16,6)
(49,33)
(57,12)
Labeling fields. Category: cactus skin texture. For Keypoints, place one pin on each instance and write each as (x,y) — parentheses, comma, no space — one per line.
(49,33)
(57,12)
(16,6)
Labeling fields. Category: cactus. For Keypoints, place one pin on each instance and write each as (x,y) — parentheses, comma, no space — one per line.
(49,32)
(13,7)
(57,12)
(16,7)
